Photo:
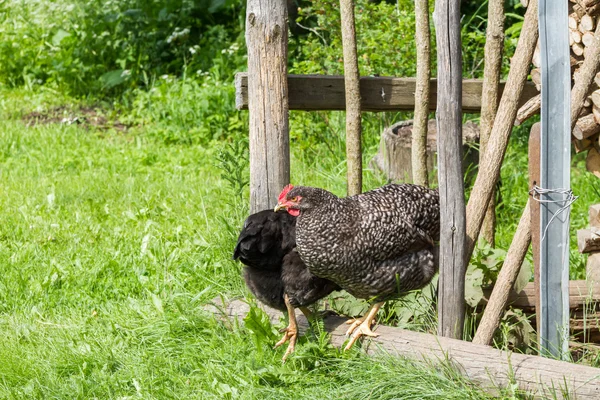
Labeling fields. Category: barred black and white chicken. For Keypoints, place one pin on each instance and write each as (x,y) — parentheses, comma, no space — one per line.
(274,271)
(376,245)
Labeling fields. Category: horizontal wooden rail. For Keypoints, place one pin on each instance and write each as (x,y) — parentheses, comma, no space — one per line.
(381,93)
(489,367)
(581,293)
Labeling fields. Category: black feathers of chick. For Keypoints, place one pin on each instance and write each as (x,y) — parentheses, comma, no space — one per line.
(267,247)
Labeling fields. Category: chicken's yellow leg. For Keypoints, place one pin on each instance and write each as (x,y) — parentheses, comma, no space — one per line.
(363,324)
(291,332)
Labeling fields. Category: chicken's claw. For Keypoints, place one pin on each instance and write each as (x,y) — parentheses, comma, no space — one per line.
(364,329)
(291,335)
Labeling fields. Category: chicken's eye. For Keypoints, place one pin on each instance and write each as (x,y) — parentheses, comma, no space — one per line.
(294,199)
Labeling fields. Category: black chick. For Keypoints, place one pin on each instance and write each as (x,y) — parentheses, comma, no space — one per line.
(274,271)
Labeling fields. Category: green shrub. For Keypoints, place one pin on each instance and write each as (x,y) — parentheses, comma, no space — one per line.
(98,48)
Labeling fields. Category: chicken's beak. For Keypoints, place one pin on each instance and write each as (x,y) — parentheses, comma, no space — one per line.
(280,206)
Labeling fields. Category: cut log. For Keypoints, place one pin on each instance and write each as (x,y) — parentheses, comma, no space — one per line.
(395,153)
(596,112)
(586,127)
(596,98)
(573,22)
(582,145)
(524,3)
(378,94)
(592,162)
(587,104)
(577,49)
(585,77)
(575,36)
(529,109)
(592,267)
(594,215)
(597,79)
(587,39)
(588,240)
(587,23)
(488,367)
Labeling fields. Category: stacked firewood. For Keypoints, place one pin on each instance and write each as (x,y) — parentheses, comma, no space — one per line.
(588,241)
(584,19)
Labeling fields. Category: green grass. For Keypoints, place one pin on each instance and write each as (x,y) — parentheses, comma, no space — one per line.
(111,244)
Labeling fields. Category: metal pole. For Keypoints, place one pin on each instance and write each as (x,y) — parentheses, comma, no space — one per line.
(555,165)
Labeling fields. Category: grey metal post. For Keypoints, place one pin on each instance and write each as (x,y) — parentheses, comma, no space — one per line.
(555,164)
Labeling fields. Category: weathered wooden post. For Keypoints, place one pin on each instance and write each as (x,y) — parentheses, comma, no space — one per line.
(266,38)
(451,303)
(554,176)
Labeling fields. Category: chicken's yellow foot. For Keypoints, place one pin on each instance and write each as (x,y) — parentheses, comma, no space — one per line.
(291,331)
(291,335)
(363,324)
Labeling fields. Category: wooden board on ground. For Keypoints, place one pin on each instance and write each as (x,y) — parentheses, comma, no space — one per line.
(326,92)
(484,365)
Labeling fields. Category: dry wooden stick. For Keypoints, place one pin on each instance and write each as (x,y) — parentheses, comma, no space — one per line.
(352,82)
(506,280)
(491,161)
(585,77)
(489,97)
(529,109)
(419,131)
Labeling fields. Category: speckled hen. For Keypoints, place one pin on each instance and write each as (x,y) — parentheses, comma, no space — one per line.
(274,271)
(376,245)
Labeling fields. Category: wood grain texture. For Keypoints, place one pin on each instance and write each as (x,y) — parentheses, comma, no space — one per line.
(585,77)
(581,295)
(352,91)
(378,94)
(266,38)
(529,109)
(419,133)
(507,277)
(451,299)
(488,367)
(491,161)
(588,240)
(494,45)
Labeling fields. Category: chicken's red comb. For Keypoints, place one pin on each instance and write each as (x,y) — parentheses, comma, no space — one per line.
(285,191)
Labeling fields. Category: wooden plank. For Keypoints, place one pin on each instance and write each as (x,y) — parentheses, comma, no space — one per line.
(488,367)
(451,284)
(378,94)
(581,294)
(266,39)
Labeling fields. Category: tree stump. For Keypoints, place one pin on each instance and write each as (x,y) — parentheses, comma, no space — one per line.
(394,155)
